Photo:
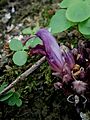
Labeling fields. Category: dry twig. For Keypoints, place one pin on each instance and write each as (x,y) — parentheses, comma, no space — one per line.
(23,75)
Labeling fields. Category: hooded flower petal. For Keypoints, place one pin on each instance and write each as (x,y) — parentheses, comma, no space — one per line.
(53,52)
(59,58)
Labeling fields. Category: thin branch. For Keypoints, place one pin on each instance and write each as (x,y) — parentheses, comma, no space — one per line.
(23,75)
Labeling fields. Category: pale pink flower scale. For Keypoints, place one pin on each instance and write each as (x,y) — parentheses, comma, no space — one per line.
(79,86)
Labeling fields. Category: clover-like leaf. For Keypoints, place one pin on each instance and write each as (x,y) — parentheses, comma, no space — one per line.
(33,42)
(87,22)
(18,102)
(59,22)
(27,31)
(84,27)
(3,86)
(35,29)
(11,101)
(66,3)
(6,96)
(14,100)
(20,58)
(15,45)
(78,11)
(88,2)
(87,36)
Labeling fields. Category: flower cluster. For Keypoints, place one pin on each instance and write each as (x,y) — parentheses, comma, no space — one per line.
(62,61)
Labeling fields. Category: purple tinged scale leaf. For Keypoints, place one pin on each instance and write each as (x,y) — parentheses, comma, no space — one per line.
(54,54)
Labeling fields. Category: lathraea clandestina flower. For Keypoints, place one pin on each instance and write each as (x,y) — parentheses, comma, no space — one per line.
(59,58)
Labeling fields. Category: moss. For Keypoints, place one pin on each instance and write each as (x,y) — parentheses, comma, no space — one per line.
(3,2)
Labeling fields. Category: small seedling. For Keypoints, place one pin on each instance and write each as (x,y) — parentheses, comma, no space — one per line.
(11,97)
(20,56)
(21,51)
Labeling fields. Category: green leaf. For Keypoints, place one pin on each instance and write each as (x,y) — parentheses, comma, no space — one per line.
(86,23)
(15,100)
(59,22)
(11,101)
(20,58)
(15,45)
(27,31)
(65,3)
(18,102)
(3,86)
(17,94)
(84,27)
(87,36)
(35,29)
(32,42)
(6,96)
(88,2)
(78,11)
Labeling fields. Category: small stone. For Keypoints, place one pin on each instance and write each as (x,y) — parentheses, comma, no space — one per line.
(13,10)
(9,28)
(0,56)
(6,18)
(8,67)
(0,35)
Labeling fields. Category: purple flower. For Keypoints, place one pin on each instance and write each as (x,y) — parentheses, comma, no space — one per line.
(59,58)
(58,85)
(67,54)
